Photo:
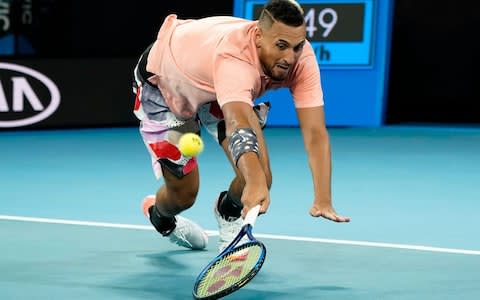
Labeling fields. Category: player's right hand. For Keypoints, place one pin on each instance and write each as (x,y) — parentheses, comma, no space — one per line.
(254,194)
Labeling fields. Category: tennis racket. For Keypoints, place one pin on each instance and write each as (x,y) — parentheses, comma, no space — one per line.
(235,266)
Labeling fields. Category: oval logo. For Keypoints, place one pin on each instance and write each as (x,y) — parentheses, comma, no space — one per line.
(24,89)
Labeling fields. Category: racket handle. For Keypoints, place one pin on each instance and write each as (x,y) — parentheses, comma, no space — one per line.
(252,215)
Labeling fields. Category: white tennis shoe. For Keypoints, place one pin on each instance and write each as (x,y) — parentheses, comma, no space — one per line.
(228,229)
(186,234)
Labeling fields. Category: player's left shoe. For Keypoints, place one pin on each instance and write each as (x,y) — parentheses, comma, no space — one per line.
(186,234)
(228,229)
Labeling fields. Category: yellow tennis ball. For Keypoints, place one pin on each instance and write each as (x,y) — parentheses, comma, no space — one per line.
(190,144)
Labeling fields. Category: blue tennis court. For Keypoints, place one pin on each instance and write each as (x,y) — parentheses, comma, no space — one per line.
(71,225)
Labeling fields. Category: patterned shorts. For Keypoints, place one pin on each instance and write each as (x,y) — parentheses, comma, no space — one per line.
(161,129)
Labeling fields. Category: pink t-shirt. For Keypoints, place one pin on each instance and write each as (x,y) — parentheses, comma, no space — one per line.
(215,59)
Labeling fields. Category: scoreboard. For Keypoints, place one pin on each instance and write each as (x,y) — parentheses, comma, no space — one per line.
(340,33)
(351,40)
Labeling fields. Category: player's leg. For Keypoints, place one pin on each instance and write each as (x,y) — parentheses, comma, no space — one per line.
(181,183)
(176,195)
(160,131)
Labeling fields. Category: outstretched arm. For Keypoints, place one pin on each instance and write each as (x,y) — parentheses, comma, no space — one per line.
(317,145)
(240,115)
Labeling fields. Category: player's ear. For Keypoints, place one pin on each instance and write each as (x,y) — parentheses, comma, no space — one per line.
(258,36)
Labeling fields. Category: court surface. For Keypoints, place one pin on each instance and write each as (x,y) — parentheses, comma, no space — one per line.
(71,225)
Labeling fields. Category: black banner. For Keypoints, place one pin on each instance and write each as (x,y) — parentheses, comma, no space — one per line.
(65,93)
(7,37)
(32,27)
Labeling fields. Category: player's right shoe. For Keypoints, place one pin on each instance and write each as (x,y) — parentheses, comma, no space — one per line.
(228,229)
(187,233)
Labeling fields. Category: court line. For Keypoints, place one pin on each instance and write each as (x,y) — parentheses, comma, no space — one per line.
(268,236)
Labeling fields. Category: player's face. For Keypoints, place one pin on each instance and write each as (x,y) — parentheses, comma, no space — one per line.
(279,48)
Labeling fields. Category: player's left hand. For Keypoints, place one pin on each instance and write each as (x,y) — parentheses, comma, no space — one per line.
(328,212)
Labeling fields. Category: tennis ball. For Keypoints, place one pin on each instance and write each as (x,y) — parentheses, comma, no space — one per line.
(190,144)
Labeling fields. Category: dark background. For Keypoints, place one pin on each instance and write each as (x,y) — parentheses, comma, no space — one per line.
(434,59)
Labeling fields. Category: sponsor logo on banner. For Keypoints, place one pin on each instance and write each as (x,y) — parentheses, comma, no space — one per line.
(26,96)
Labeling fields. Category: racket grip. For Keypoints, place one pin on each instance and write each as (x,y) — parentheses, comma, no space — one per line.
(252,215)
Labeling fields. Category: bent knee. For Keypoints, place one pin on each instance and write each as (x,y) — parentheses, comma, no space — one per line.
(183,198)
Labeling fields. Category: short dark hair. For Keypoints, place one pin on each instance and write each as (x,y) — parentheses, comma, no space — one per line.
(289,12)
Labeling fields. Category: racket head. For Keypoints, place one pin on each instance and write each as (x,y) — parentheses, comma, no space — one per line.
(230,271)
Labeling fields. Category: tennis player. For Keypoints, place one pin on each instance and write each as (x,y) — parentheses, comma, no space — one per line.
(208,72)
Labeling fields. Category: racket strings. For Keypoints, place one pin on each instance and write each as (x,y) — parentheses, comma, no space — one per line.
(231,270)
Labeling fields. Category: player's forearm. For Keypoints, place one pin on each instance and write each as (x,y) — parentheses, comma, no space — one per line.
(251,169)
(319,158)
(248,163)
(241,121)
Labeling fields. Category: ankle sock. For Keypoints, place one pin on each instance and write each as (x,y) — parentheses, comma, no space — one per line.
(229,209)
(164,225)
